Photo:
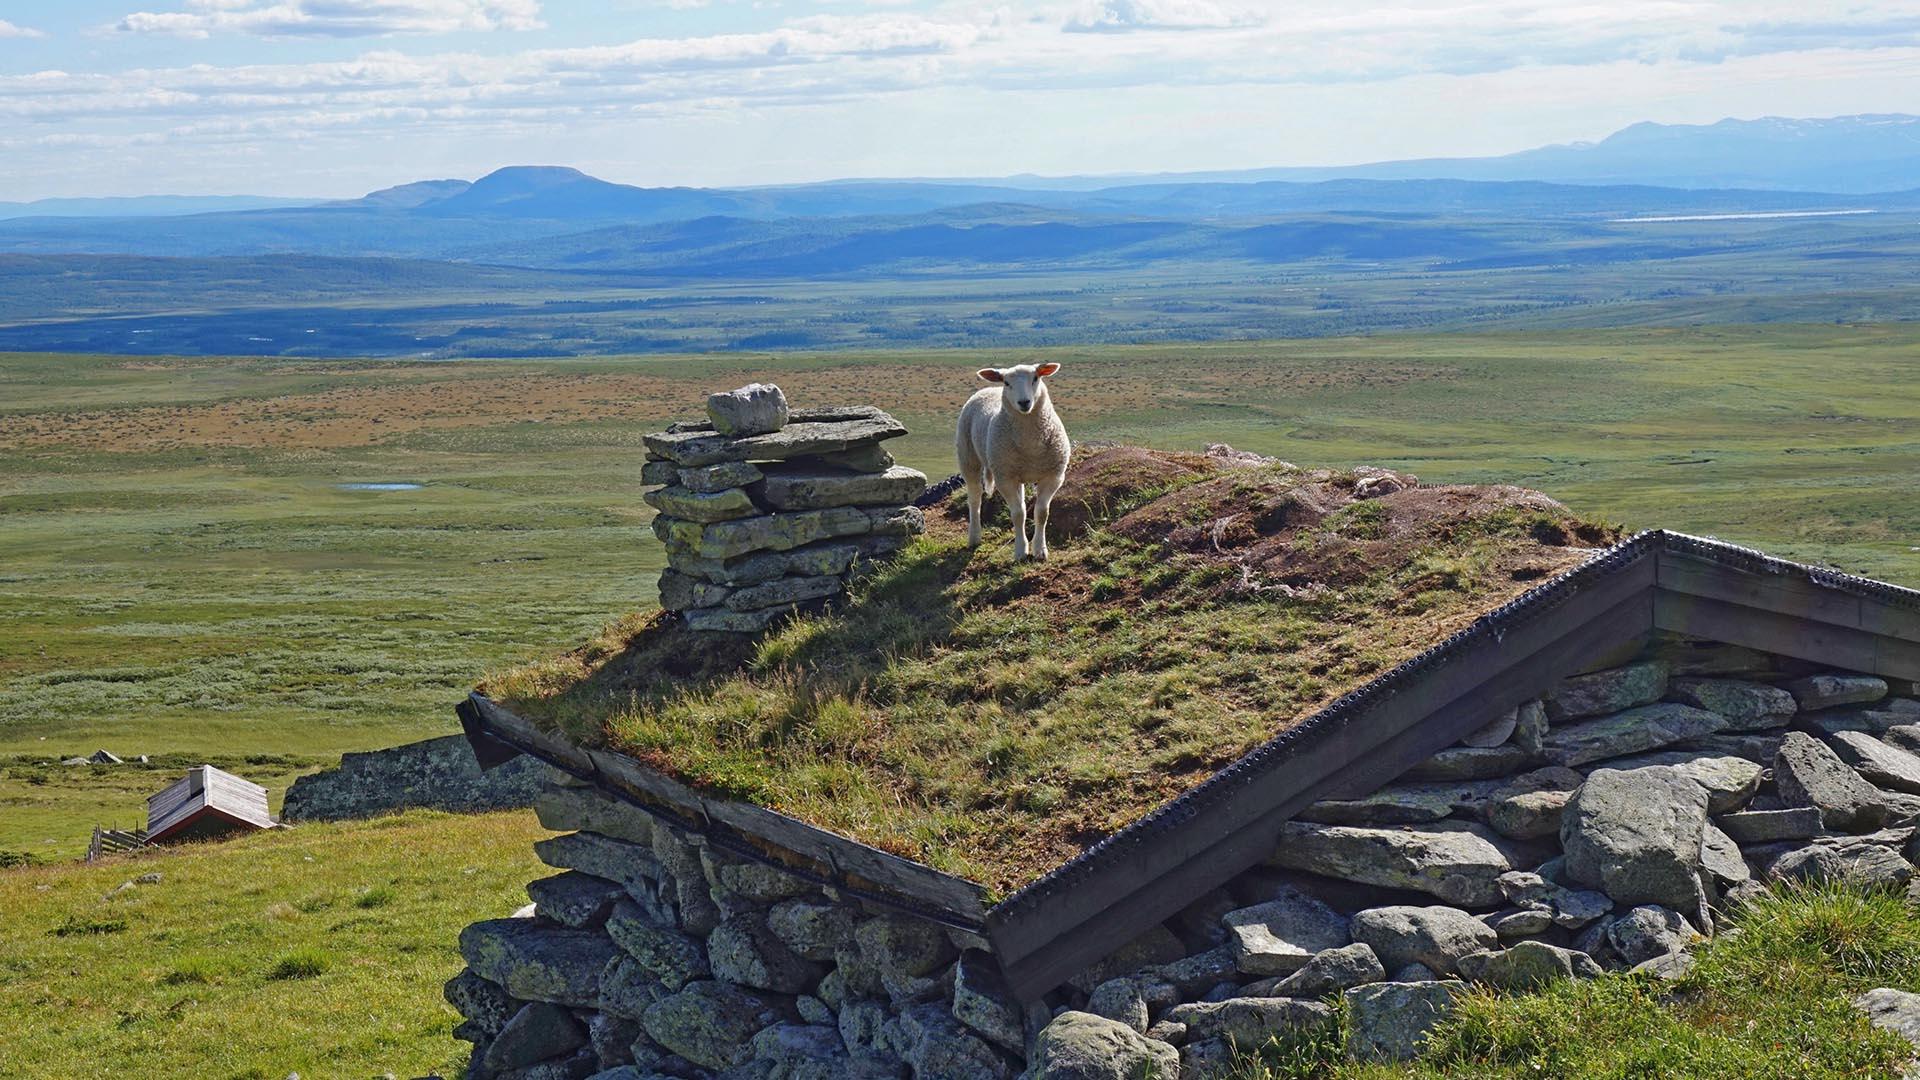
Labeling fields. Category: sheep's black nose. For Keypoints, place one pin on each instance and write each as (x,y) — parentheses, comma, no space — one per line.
(1025,404)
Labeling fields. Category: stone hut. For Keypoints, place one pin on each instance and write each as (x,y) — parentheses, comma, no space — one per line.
(1584,779)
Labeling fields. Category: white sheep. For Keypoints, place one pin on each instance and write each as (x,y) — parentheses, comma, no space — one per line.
(1010,437)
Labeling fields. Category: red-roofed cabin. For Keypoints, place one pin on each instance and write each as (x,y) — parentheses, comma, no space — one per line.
(204,804)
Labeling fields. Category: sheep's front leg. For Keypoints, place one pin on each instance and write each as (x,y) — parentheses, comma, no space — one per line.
(1042,510)
(1016,497)
(974,496)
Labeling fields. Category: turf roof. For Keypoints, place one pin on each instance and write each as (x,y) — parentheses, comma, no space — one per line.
(994,719)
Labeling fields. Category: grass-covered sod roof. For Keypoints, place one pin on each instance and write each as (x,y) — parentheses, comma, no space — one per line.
(992,719)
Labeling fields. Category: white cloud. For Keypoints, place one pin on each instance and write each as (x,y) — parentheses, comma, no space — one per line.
(10,30)
(1118,16)
(334,18)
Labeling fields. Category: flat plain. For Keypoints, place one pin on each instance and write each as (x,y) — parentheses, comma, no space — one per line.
(185,575)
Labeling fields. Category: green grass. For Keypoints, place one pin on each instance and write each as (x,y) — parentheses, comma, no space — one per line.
(258,957)
(180,576)
(1771,1002)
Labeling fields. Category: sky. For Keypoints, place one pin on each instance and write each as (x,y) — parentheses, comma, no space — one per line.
(337,97)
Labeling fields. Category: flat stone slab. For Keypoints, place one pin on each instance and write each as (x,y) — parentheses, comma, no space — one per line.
(1882,765)
(1281,935)
(1810,774)
(808,487)
(1730,781)
(810,560)
(1827,691)
(1455,861)
(574,899)
(1608,691)
(781,532)
(1403,804)
(1471,763)
(1747,706)
(678,502)
(1646,727)
(1767,826)
(536,962)
(1434,936)
(797,439)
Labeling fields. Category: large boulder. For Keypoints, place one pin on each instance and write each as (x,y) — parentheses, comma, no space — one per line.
(1636,835)
(1081,1046)
(1277,937)
(1388,1022)
(1459,863)
(1648,727)
(537,962)
(754,409)
(1435,936)
(1809,774)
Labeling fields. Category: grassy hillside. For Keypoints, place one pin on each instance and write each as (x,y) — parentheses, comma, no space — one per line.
(180,574)
(319,950)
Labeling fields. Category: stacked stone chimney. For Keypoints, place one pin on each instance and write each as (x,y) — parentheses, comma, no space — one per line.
(764,508)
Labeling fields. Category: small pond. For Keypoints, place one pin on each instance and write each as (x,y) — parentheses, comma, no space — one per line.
(366,485)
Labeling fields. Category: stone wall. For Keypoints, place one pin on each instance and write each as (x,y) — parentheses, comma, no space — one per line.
(438,774)
(763,509)
(1605,827)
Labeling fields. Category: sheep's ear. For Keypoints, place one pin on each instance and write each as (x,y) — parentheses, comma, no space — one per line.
(991,374)
(1045,370)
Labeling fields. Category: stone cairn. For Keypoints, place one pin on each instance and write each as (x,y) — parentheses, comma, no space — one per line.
(1607,826)
(764,509)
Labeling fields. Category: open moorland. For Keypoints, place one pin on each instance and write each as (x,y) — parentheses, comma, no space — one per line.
(185,574)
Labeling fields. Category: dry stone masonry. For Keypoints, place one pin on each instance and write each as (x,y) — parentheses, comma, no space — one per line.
(1607,826)
(764,509)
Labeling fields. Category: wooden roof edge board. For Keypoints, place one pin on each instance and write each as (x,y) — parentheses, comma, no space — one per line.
(738,828)
(1843,647)
(1803,592)
(155,836)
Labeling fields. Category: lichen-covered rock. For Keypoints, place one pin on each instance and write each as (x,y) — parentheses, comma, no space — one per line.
(1530,727)
(438,774)
(574,899)
(631,865)
(537,1032)
(1277,937)
(812,930)
(1402,804)
(1455,861)
(753,409)
(1608,691)
(1528,965)
(743,950)
(628,989)
(1081,1046)
(694,904)
(1647,727)
(1720,857)
(1331,971)
(704,506)
(1188,975)
(1570,909)
(981,1001)
(1862,864)
(1747,706)
(1817,692)
(684,592)
(612,1038)
(1892,1010)
(939,1048)
(536,962)
(1470,763)
(810,487)
(1122,1000)
(756,882)
(1636,835)
(807,1052)
(586,809)
(799,438)
(1389,1022)
(483,1003)
(1809,774)
(1249,1022)
(903,946)
(710,1023)
(811,560)
(1648,931)
(707,478)
(1729,781)
(779,532)
(674,958)
(1529,806)
(1435,936)
(1512,924)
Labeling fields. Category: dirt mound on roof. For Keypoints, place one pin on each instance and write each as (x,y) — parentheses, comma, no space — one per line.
(1106,482)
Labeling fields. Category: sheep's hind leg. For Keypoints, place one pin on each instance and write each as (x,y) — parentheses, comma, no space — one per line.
(974,496)
(1042,510)
(1016,497)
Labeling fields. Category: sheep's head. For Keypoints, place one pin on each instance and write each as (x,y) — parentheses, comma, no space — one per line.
(1023,386)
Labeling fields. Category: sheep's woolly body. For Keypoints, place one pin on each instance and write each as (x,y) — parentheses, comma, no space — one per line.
(1001,449)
